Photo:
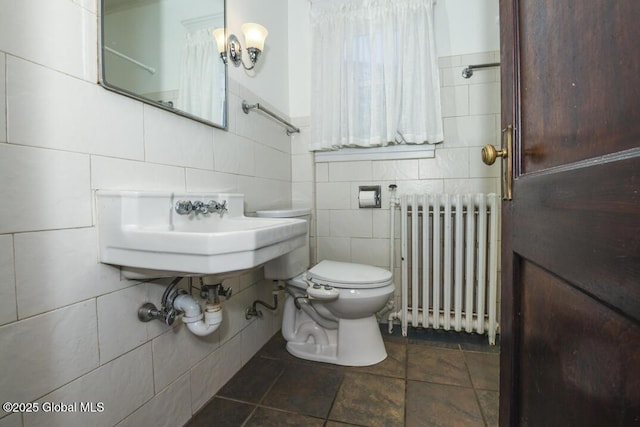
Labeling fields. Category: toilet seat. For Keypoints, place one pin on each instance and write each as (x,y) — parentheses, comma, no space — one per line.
(348,275)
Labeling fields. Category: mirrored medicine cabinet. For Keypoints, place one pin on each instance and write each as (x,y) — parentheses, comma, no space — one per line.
(162,52)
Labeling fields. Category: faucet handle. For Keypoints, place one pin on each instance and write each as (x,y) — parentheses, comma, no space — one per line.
(200,207)
(183,207)
(222,207)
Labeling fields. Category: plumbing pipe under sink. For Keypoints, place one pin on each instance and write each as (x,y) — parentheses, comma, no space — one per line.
(198,323)
(176,302)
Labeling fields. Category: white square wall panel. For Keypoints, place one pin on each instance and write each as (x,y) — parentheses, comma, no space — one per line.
(59,34)
(40,354)
(43,189)
(46,108)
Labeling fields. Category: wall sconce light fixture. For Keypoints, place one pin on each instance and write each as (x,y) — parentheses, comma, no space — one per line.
(230,48)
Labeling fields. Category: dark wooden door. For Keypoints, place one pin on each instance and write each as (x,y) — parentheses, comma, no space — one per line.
(570,323)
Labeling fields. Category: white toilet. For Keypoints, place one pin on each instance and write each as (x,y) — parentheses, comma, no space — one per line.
(329,311)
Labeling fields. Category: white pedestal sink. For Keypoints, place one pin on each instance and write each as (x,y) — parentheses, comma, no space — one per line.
(144,233)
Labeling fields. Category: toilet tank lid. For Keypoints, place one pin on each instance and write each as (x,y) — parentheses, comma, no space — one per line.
(349,274)
(284,213)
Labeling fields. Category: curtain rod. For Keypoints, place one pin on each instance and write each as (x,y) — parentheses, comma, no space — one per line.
(468,72)
(290,128)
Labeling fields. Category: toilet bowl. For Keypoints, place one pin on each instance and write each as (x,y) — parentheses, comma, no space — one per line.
(329,311)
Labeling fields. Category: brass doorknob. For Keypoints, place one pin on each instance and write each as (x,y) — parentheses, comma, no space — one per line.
(491,153)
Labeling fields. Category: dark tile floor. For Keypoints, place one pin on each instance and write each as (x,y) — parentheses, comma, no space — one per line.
(430,378)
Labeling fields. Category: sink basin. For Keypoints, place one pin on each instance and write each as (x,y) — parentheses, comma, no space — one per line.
(144,233)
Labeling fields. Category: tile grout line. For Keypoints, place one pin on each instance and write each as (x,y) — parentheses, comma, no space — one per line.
(259,403)
(473,387)
(333,401)
(264,396)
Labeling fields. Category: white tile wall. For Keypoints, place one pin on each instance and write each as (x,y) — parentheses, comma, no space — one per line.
(234,315)
(455,101)
(234,153)
(350,171)
(120,174)
(351,223)
(334,248)
(252,338)
(68,324)
(171,407)
(370,251)
(395,169)
(3,112)
(448,163)
(171,140)
(301,171)
(58,268)
(208,376)
(45,352)
(471,110)
(8,306)
(66,43)
(117,312)
(176,351)
(322,172)
(264,193)
(271,163)
(470,131)
(122,386)
(47,108)
(201,180)
(302,194)
(43,189)
(332,195)
(304,173)
(484,98)
(381,219)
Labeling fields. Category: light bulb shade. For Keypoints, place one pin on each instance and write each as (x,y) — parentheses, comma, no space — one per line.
(221,41)
(254,35)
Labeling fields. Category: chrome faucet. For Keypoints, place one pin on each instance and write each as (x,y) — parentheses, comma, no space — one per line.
(220,208)
(200,208)
(184,207)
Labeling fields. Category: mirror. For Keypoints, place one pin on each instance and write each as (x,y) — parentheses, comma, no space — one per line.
(162,52)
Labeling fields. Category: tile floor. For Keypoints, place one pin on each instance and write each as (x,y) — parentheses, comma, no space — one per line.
(430,378)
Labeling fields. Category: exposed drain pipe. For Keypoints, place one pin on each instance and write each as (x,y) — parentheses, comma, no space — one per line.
(176,301)
(198,323)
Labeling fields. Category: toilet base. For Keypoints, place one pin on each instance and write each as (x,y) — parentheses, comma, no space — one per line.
(358,342)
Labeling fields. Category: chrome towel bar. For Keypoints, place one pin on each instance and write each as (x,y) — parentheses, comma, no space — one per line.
(290,128)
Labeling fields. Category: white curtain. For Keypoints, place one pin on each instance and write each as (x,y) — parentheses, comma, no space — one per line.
(375,75)
(200,91)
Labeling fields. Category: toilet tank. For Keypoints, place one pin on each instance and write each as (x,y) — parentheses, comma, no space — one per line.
(295,262)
